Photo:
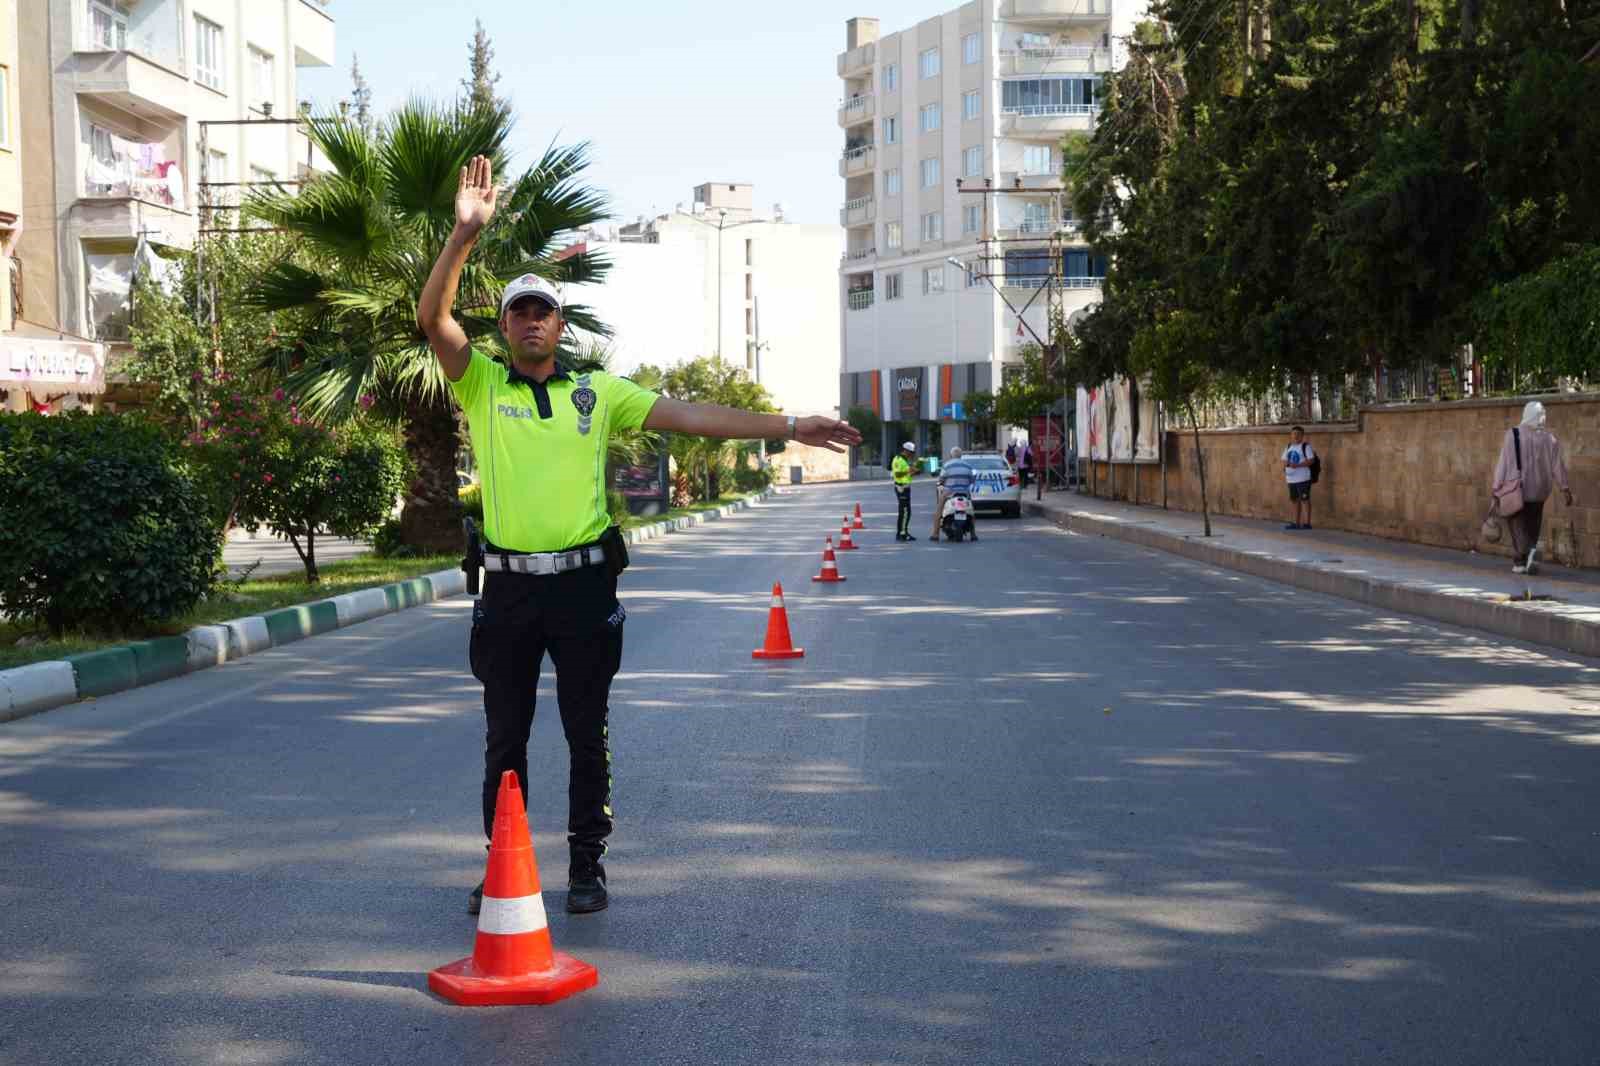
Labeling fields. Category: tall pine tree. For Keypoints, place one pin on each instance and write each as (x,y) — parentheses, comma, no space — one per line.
(480,86)
(360,95)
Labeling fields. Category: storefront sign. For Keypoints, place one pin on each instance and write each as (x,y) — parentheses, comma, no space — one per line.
(908,392)
(953,412)
(52,366)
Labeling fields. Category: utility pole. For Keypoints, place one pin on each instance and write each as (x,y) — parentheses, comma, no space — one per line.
(722,218)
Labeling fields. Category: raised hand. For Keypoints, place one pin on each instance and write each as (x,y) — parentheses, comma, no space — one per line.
(475,195)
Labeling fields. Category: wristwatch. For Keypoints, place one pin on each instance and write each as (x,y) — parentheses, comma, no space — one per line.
(792,428)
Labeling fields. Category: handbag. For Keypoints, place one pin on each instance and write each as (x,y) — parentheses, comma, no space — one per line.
(1508,498)
(1490,530)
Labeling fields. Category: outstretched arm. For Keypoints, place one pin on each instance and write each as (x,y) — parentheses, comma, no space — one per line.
(730,423)
(475,200)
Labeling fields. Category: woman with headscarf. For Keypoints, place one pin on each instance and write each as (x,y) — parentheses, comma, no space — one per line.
(1532,455)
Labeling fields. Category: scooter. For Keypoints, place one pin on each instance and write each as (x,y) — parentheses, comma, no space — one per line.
(956,520)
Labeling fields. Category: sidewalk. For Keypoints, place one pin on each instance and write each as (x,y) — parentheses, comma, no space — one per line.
(1559,607)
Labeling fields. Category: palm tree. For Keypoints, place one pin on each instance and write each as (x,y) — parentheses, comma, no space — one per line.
(368,234)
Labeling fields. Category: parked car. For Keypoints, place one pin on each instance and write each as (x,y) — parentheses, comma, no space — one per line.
(995,483)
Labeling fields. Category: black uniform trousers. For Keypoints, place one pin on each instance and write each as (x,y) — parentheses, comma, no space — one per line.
(575,617)
(903,520)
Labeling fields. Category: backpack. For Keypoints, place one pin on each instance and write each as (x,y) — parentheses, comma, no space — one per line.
(1316,465)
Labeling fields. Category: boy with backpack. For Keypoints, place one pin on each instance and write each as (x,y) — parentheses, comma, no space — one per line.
(1301,469)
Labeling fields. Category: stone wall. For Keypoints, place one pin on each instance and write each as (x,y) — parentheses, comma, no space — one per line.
(1412,472)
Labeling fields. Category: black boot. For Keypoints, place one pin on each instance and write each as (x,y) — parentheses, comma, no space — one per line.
(475,900)
(586,886)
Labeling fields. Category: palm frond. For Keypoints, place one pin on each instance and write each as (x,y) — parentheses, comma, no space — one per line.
(424,146)
(349,149)
(286,286)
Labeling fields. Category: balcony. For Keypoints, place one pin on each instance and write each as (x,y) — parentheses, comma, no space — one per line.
(311,31)
(859,300)
(856,110)
(858,61)
(862,211)
(1055,10)
(1065,59)
(857,255)
(1043,229)
(1029,282)
(858,161)
(1047,121)
(141,78)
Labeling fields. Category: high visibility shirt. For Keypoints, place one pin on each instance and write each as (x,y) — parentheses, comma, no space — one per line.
(541,450)
(901,470)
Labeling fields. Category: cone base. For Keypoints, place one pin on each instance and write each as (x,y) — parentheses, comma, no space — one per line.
(791,653)
(463,985)
(857,526)
(845,548)
(834,580)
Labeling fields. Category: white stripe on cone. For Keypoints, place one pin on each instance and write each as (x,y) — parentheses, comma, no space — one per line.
(777,601)
(508,917)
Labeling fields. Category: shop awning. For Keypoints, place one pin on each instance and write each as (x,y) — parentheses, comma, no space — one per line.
(52,366)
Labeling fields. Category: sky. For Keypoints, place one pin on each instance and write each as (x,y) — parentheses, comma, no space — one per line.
(669,95)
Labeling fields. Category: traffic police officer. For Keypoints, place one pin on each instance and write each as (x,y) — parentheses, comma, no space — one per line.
(901,469)
(540,436)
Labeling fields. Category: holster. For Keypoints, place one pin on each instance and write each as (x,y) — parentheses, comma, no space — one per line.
(472,563)
(616,549)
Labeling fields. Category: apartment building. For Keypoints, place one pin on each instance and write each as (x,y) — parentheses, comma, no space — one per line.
(716,276)
(951,161)
(116,132)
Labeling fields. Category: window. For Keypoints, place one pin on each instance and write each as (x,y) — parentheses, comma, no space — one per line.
(1034,40)
(749,252)
(1035,218)
(891,287)
(107,291)
(928,63)
(929,118)
(749,286)
(891,77)
(1036,159)
(930,172)
(108,26)
(971,274)
(971,48)
(891,182)
(749,322)
(971,216)
(263,80)
(208,69)
(891,130)
(1051,96)
(891,235)
(932,279)
(933,227)
(971,105)
(972,162)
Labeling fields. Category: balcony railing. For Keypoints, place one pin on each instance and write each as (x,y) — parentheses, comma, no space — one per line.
(857,161)
(1039,281)
(858,60)
(1048,110)
(857,254)
(856,212)
(859,300)
(857,109)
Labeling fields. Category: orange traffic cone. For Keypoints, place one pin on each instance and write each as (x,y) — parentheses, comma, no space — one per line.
(845,543)
(830,566)
(512,959)
(857,523)
(779,645)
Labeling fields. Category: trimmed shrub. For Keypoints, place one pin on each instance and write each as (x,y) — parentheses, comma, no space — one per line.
(103,524)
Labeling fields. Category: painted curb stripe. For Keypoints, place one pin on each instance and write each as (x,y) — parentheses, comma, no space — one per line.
(508,917)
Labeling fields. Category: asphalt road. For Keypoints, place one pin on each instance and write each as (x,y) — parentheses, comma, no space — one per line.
(1043,799)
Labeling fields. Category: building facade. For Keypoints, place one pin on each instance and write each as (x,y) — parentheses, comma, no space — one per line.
(953,198)
(131,102)
(716,277)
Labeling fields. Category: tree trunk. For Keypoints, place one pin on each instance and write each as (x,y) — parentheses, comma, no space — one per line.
(431,520)
(1469,23)
(1200,458)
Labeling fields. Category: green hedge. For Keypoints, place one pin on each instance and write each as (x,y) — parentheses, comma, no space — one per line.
(103,525)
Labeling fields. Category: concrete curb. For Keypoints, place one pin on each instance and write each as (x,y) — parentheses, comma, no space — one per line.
(1574,629)
(26,690)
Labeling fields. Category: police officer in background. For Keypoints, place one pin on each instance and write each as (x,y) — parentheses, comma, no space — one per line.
(552,557)
(902,469)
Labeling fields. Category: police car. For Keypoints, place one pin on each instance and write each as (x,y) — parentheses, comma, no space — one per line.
(995,483)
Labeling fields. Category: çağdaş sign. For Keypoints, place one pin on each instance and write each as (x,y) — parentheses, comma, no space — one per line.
(908,392)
